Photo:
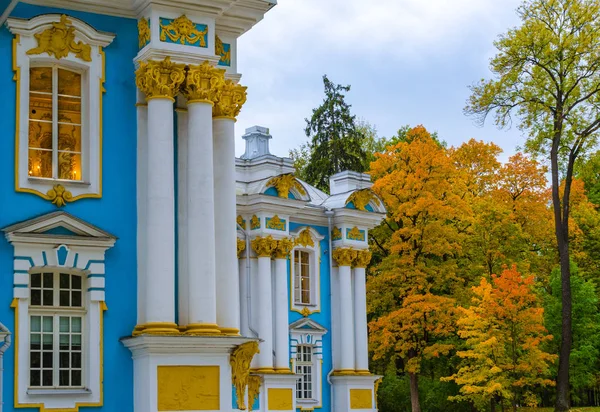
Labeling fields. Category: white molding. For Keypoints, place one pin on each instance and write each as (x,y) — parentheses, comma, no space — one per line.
(315,268)
(92,89)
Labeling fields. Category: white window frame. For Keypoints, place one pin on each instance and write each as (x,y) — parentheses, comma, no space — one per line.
(56,311)
(307,332)
(35,251)
(314,251)
(300,363)
(91,103)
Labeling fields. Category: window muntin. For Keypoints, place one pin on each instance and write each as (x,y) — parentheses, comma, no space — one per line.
(56,330)
(55,123)
(304,368)
(302,278)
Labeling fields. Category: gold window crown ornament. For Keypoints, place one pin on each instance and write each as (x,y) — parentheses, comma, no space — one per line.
(361,198)
(305,239)
(203,83)
(284,184)
(59,40)
(240,360)
(232,98)
(59,196)
(160,79)
(184,31)
(144,33)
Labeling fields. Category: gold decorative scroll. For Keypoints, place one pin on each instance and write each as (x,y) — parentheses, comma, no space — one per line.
(344,256)
(336,233)
(241,246)
(275,223)
(144,33)
(284,184)
(305,239)
(59,40)
(264,246)
(253,390)
(232,98)
(240,369)
(361,199)
(254,223)
(184,31)
(160,79)
(240,221)
(59,196)
(356,234)
(305,312)
(220,51)
(284,247)
(203,83)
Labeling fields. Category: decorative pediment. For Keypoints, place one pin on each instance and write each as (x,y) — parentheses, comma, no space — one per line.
(307,325)
(365,200)
(286,186)
(58,227)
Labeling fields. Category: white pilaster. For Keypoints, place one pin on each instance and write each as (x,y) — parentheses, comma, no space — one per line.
(227,288)
(346,319)
(265,315)
(360,321)
(182,224)
(244,294)
(202,314)
(142,195)
(282,335)
(160,228)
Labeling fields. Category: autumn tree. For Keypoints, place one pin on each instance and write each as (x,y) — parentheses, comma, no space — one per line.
(336,142)
(547,74)
(411,290)
(503,332)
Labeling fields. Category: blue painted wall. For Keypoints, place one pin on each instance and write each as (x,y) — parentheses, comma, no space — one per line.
(115,212)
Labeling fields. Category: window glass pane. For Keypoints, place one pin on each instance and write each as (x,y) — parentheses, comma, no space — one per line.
(36,280)
(63,378)
(47,360)
(64,324)
(69,83)
(69,165)
(48,297)
(34,378)
(76,282)
(64,342)
(40,79)
(40,163)
(305,257)
(35,341)
(76,299)
(64,360)
(69,111)
(35,325)
(34,359)
(47,325)
(76,378)
(47,378)
(76,342)
(76,325)
(64,281)
(65,298)
(48,280)
(76,360)
(36,297)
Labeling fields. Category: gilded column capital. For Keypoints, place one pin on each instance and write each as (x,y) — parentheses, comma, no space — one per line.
(203,83)
(284,247)
(264,246)
(160,79)
(344,256)
(240,360)
(232,98)
(363,257)
(241,246)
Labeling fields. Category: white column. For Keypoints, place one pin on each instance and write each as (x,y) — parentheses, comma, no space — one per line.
(244,292)
(160,233)
(182,241)
(264,248)
(142,195)
(202,314)
(346,319)
(360,321)
(282,336)
(228,287)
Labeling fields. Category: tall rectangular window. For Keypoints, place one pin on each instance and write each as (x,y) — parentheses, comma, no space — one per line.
(55,123)
(302,277)
(304,368)
(56,330)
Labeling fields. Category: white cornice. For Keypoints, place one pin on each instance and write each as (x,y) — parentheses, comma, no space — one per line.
(147,344)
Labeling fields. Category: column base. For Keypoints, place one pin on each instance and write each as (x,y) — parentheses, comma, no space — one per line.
(277,392)
(354,392)
(156,328)
(230,331)
(196,329)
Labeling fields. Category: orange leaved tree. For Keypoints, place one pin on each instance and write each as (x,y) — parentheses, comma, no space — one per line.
(503,332)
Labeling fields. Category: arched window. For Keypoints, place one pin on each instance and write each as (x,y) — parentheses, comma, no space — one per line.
(305,270)
(55,123)
(56,314)
(303,280)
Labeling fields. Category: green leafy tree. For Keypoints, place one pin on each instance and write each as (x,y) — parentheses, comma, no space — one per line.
(547,74)
(336,141)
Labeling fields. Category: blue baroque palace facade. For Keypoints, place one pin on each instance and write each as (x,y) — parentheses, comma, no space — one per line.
(143,267)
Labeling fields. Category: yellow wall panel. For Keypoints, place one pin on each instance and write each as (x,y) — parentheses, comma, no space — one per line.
(188,388)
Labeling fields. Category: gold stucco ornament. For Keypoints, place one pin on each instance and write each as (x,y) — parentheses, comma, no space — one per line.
(183,31)
(264,246)
(220,51)
(285,183)
(275,223)
(305,239)
(231,99)
(160,79)
(59,40)
(336,233)
(253,390)
(361,199)
(356,234)
(254,222)
(203,83)
(363,257)
(240,221)
(344,256)
(241,246)
(305,312)
(59,195)
(284,247)
(240,360)
(144,33)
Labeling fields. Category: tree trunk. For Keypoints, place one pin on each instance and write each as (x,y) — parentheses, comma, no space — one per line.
(414,392)
(561,225)
(492,405)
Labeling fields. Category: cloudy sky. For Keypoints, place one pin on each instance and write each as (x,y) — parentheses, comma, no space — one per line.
(408,62)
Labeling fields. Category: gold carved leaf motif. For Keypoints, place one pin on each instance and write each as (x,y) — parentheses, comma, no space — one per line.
(183,31)
(284,247)
(144,33)
(336,234)
(253,390)
(59,196)
(59,40)
(254,223)
(305,239)
(356,234)
(204,83)
(275,223)
(264,246)
(232,98)
(361,198)
(344,256)
(284,184)
(220,51)
(240,369)
(160,79)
